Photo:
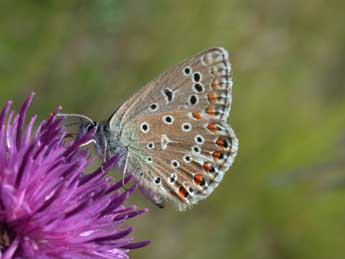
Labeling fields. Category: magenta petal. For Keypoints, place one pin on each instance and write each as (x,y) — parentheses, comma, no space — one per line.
(49,207)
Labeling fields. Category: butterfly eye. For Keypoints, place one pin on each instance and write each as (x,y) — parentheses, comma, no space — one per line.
(86,128)
(89,126)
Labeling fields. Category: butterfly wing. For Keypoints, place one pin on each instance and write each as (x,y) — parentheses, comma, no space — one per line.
(175,129)
(202,82)
(183,164)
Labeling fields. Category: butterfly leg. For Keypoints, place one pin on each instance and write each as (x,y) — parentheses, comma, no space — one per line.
(88,143)
(125,171)
(160,205)
(105,151)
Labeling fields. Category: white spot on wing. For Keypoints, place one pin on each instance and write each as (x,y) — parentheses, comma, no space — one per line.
(165,140)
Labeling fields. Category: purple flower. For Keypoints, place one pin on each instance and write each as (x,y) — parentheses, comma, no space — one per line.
(49,207)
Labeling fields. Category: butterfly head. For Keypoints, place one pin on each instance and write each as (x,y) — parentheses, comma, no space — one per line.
(105,139)
(100,135)
(81,125)
(88,127)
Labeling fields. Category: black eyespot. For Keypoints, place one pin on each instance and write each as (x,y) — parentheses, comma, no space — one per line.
(187,71)
(198,87)
(199,139)
(175,163)
(172,178)
(153,106)
(226,144)
(186,126)
(193,100)
(168,119)
(169,94)
(191,190)
(196,149)
(187,158)
(145,127)
(196,77)
(150,145)
(157,180)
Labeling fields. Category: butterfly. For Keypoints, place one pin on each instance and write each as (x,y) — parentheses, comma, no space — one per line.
(173,134)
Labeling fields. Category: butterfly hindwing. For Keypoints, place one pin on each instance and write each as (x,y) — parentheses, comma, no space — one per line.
(183,164)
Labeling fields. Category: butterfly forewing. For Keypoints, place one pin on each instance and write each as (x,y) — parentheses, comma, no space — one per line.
(175,129)
(202,82)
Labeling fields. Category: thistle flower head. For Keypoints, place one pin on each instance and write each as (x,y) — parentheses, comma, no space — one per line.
(49,206)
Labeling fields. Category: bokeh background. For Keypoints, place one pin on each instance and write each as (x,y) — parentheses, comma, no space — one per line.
(284,196)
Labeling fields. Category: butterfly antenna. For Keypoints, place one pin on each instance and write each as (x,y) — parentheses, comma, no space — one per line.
(75,115)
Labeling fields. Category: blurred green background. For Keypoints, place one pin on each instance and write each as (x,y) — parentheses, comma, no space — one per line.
(284,197)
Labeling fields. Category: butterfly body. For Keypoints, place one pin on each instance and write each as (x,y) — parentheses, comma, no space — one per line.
(173,134)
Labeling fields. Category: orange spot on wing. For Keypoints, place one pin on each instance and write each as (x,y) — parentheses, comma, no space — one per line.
(222,144)
(212,97)
(212,127)
(210,170)
(197,115)
(217,155)
(199,179)
(207,166)
(183,192)
(211,110)
(215,84)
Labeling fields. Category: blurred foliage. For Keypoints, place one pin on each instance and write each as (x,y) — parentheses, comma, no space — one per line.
(288,108)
